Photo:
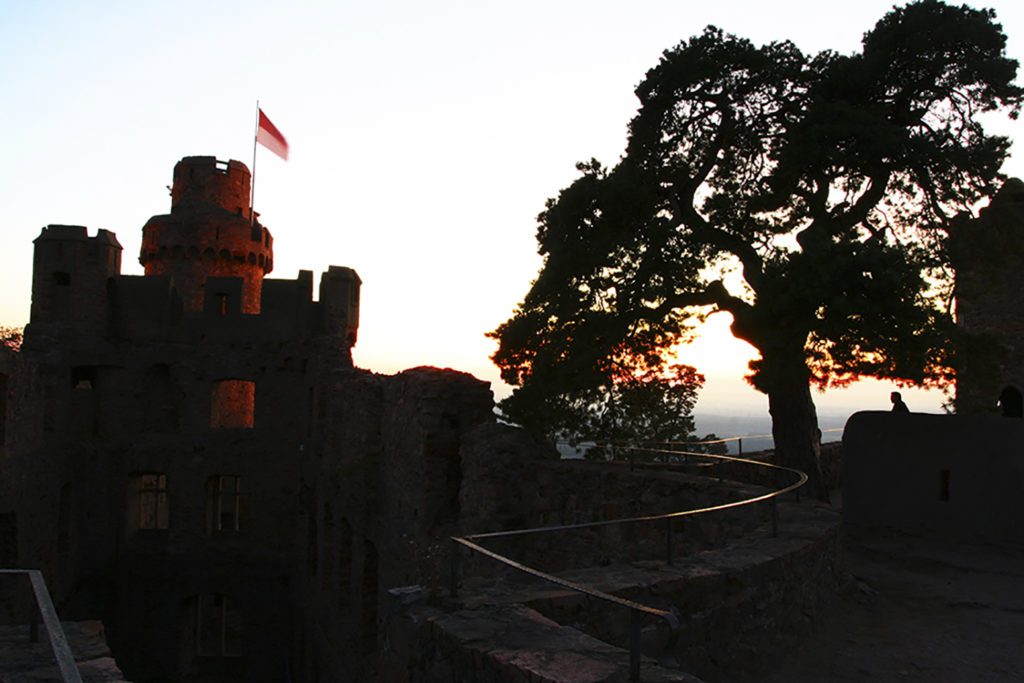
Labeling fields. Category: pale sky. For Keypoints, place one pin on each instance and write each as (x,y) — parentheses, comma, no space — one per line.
(425,138)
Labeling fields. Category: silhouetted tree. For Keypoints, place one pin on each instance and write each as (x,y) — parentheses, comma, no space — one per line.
(826,184)
(627,406)
(11,337)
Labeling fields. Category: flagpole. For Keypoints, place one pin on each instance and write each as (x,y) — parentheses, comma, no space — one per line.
(252,196)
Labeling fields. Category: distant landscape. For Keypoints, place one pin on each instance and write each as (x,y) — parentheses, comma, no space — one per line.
(750,427)
(756,426)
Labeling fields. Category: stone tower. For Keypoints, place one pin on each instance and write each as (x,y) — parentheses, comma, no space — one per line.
(989,259)
(209,233)
(69,280)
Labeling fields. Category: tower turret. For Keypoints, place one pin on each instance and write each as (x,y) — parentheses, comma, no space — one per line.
(70,271)
(208,233)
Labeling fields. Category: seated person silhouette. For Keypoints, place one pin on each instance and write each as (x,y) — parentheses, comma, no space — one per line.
(898,406)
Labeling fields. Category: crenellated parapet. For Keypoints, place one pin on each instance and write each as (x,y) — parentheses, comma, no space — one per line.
(209,233)
(204,265)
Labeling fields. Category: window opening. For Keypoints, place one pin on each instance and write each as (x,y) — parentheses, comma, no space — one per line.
(225,503)
(153,508)
(218,626)
(232,404)
(83,377)
(369,589)
(3,407)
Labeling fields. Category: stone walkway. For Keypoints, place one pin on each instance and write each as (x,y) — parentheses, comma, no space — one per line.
(22,661)
(918,610)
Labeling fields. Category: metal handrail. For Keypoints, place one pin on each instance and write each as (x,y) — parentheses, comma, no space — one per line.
(706,442)
(726,439)
(55,632)
(636,609)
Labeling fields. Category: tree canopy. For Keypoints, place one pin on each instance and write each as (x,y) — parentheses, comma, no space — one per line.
(627,409)
(827,184)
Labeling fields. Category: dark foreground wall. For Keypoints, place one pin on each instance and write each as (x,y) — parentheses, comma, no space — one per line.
(958,477)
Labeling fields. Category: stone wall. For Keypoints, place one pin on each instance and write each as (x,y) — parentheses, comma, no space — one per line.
(988,254)
(951,476)
(737,604)
(380,496)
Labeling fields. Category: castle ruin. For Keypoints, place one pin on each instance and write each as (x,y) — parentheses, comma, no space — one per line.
(186,452)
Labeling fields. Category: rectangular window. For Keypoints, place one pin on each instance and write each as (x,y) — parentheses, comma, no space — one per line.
(218,626)
(225,503)
(232,404)
(153,509)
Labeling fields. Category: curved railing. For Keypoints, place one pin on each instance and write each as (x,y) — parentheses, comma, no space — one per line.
(738,440)
(637,610)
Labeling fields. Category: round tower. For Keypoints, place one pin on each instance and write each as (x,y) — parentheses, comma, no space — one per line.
(208,233)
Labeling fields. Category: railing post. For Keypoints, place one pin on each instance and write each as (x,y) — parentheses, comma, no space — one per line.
(634,645)
(740,442)
(775,516)
(668,541)
(456,567)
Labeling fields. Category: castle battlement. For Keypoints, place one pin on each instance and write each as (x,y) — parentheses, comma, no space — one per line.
(204,263)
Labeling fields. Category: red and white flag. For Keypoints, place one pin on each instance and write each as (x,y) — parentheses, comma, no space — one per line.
(270,137)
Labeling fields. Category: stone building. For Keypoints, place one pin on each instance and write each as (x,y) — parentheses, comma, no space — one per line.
(190,456)
(988,254)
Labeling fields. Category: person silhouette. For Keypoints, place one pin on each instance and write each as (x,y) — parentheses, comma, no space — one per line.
(1011,403)
(898,406)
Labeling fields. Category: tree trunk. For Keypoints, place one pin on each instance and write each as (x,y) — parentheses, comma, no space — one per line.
(795,428)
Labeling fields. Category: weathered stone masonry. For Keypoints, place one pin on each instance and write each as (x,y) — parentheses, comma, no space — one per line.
(165,439)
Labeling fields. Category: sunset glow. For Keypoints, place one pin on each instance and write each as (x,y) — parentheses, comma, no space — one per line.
(423,140)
